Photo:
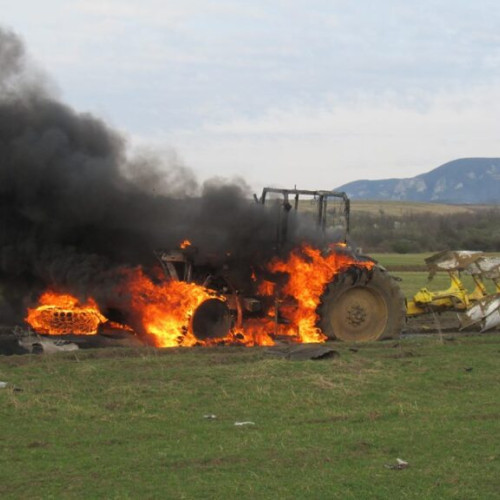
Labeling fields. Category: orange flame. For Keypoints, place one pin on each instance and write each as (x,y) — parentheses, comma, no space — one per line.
(164,309)
(60,314)
(309,272)
(257,331)
(185,244)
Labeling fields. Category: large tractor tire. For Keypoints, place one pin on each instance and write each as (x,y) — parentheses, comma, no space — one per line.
(211,320)
(362,305)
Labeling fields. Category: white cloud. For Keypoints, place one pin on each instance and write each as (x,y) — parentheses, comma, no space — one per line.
(324,148)
(170,13)
(312,92)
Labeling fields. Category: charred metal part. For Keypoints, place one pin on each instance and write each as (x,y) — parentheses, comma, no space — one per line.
(234,304)
(322,198)
(252,305)
(177,264)
(277,304)
(207,281)
(225,288)
(60,321)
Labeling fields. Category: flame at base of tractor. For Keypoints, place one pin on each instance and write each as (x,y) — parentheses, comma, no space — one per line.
(309,270)
(165,309)
(179,313)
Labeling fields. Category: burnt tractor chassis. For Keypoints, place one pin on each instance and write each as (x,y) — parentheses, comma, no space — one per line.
(360,304)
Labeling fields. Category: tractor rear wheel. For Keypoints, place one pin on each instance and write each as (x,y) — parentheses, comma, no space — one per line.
(362,305)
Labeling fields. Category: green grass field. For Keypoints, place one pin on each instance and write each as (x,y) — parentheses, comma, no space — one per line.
(123,423)
(398,208)
(402,261)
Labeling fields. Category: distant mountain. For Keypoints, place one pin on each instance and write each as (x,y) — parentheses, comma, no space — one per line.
(467,180)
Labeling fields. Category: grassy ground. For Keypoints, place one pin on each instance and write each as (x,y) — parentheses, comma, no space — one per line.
(402,261)
(121,423)
(408,261)
(398,208)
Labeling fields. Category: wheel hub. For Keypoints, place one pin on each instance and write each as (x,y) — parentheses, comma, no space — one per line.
(359,314)
(356,314)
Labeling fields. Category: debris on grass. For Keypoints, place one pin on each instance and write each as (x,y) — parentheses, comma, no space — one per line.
(248,422)
(399,465)
(3,385)
(210,416)
(302,352)
(48,346)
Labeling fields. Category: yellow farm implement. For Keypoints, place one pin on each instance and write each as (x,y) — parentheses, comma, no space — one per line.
(479,306)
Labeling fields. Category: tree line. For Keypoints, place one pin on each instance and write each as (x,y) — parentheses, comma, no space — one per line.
(427,232)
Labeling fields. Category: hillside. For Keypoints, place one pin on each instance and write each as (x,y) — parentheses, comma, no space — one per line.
(467,180)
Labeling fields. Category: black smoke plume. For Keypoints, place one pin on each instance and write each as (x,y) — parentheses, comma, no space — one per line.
(74,209)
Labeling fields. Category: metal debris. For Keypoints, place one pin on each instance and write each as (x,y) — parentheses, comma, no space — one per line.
(48,346)
(248,422)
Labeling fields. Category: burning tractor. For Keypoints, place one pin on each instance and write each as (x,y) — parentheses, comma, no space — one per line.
(305,293)
(295,291)
(281,289)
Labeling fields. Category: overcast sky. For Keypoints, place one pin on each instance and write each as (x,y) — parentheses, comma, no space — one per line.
(311,93)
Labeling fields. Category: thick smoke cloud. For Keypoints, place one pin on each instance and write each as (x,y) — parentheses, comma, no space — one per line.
(74,209)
